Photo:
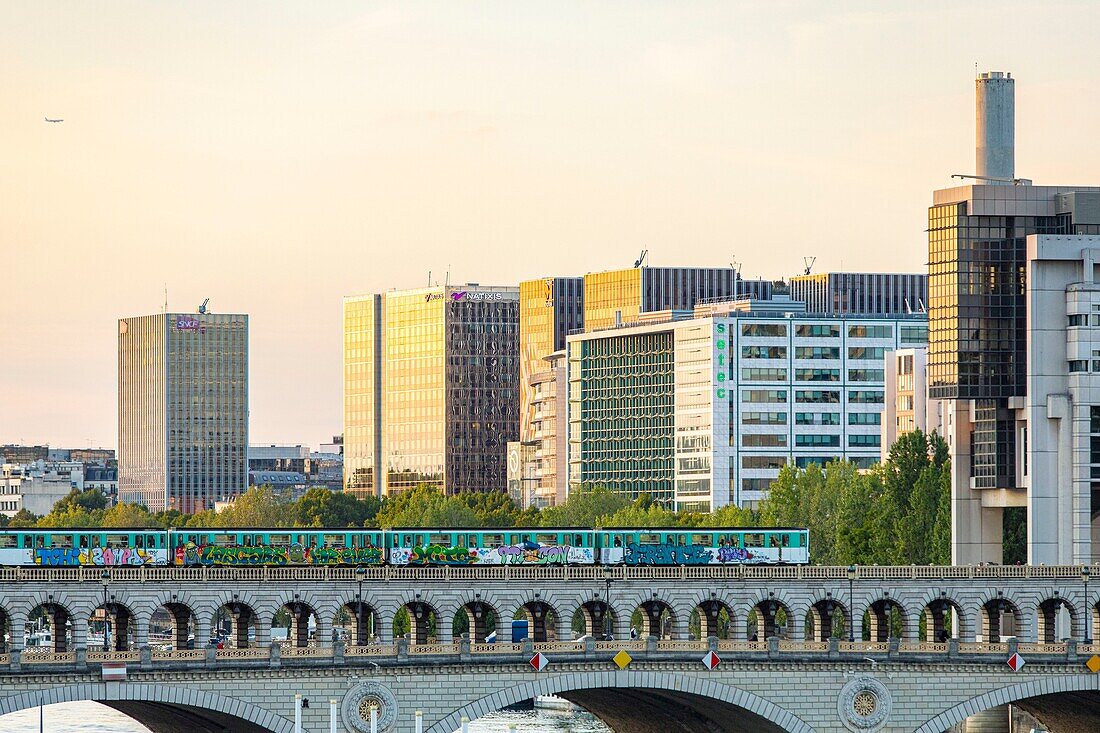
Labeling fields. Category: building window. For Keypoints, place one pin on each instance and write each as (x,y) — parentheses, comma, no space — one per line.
(817,441)
(763,440)
(764,462)
(817,418)
(864,441)
(755,484)
(1079,365)
(866,375)
(864,418)
(914,334)
(764,395)
(858,397)
(1078,319)
(764,329)
(763,418)
(816,396)
(874,352)
(804,461)
(755,374)
(870,332)
(817,330)
(817,352)
(763,352)
(817,375)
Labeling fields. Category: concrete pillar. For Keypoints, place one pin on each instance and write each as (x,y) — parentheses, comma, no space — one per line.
(203,629)
(299,626)
(739,626)
(140,625)
(678,627)
(443,629)
(181,621)
(385,628)
(58,616)
(18,625)
(994,720)
(796,624)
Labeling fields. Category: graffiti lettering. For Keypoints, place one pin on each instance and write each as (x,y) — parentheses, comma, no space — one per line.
(346,556)
(527,555)
(734,554)
(96,556)
(296,554)
(440,555)
(666,554)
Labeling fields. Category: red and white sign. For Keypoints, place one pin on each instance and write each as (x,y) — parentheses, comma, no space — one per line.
(1016,662)
(711,660)
(539,662)
(114,671)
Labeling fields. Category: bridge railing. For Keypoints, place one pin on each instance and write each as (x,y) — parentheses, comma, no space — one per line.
(177,574)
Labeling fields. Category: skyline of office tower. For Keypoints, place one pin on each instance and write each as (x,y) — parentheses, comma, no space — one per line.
(881,293)
(981,254)
(182,409)
(443,395)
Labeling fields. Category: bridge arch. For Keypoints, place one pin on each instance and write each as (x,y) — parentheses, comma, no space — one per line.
(757,707)
(1034,688)
(131,696)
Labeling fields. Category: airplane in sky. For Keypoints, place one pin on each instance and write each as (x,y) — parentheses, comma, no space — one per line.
(49,120)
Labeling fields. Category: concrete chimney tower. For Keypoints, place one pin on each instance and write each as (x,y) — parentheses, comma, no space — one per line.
(995,103)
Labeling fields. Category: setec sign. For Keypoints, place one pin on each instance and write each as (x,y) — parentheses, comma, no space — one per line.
(721,361)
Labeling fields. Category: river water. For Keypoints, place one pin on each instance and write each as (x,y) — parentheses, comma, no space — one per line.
(90,717)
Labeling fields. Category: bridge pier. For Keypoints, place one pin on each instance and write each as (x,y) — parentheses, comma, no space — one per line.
(993,720)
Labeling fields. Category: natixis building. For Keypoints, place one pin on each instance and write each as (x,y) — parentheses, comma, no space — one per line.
(431,388)
(182,409)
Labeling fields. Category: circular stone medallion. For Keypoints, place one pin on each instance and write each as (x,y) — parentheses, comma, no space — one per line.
(357,704)
(864,704)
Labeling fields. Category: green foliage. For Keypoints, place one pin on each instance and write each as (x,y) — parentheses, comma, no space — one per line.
(642,513)
(128,515)
(1014,522)
(23,518)
(323,508)
(424,506)
(585,505)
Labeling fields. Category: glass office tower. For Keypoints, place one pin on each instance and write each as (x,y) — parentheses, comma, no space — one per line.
(621,296)
(431,387)
(182,410)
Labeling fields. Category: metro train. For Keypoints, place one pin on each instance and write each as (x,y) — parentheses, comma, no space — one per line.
(402,546)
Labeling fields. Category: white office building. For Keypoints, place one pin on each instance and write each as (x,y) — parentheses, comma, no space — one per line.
(704,410)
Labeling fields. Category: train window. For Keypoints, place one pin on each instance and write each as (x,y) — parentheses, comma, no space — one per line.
(754,539)
(618,541)
(39,541)
(334,540)
(546,539)
(702,539)
(443,540)
(139,541)
(492,540)
(118,540)
(578,540)
(649,539)
(280,540)
(460,540)
(62,540)
(471,540)
(225,540)
(152,541)
(8,540)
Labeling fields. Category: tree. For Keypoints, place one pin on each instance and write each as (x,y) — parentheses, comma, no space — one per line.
(637,516)
(324,508)
(257,507)
(128,515)
(585,505)
(23,518)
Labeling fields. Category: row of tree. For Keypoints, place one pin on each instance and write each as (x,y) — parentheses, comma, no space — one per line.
(898,512)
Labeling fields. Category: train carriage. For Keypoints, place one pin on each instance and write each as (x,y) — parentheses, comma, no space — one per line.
(497,546)
(277,547)
(76,547)
(704,546)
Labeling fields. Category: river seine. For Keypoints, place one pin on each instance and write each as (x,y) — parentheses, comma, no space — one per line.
(90,717)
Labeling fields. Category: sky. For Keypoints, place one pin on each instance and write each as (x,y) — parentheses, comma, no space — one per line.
(274,157)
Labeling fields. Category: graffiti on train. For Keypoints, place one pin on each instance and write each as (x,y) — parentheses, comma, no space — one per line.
(244,555)
(108,557)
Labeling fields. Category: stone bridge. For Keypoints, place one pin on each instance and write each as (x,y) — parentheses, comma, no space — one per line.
(930,649)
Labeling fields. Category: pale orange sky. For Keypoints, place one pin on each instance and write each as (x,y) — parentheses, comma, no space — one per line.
(276,156)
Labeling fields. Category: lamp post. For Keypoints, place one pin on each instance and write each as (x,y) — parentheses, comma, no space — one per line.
(1088,606)
(851,603)
(105,579)
(607,571)
(360,573)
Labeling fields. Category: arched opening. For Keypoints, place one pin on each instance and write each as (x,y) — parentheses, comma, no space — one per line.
(1057,619)
(6,637)
(160,707)
(542,620)
(174,626)
(361,623)
(593,618)
(884,620)
(1000,618)
(645,702)
(416,621)
(656,619)
(940,620)
(49,628)
(295,625)
(826,619)
(236,625)
(710,618)
(1067,703)
(767,618)
(476,618)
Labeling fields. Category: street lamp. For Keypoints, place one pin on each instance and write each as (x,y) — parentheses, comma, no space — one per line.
(607,571)
(1088,607)
(851,604)
(360,573)
(105,579)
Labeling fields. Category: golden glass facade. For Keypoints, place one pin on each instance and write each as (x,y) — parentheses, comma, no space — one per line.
(549,309)
(183,410)
(414,378)
(612,297)
(362,391)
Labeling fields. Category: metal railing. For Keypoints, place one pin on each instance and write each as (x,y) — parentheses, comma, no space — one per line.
(153,574)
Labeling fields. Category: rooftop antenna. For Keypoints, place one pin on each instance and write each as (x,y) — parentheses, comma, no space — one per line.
(447,280)
(429,278)
(641,258)
(202,308)
(165,309)
(808,264)
(995,179)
